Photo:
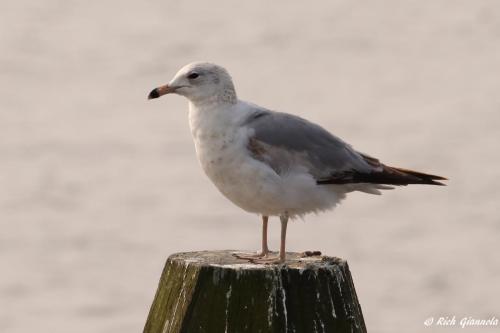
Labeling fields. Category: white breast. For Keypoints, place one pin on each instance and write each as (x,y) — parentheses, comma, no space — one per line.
(221,149)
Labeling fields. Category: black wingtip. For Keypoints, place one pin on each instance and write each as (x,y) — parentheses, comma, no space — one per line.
(154,94)
(425,178)
(388,176)
(433,182)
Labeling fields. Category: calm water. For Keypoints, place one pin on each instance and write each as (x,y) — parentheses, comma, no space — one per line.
(98,186)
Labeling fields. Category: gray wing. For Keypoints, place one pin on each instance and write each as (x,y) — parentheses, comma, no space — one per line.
(286,141)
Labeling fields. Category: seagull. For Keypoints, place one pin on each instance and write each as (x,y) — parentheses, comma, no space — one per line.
(273,163)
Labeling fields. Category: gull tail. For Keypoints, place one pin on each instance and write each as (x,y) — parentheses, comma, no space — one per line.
(381,174)
(385,175)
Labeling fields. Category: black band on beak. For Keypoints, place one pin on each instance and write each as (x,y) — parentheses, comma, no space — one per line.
(154,94)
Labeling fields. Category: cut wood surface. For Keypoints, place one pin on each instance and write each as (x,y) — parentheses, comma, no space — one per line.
(216,292)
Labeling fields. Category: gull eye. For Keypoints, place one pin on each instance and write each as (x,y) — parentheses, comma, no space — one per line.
(193,76)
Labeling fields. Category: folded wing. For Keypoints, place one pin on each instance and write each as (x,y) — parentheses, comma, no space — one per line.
(286,142)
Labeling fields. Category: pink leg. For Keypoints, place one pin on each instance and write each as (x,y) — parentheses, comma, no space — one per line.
(284,223)
(282,255)
(265,248)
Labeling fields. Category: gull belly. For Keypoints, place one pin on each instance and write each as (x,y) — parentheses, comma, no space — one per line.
(221,147)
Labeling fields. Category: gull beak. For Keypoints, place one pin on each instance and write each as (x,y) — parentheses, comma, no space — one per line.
(160,91)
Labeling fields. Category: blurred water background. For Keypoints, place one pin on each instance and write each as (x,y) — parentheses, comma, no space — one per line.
(98,186)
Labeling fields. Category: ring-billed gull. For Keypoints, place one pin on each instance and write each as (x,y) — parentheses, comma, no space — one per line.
(273,163)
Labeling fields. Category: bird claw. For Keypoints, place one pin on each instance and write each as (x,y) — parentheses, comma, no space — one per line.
(260,258)
(268,260)
(250,256)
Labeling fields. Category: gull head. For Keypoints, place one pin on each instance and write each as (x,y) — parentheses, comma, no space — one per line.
(200,82)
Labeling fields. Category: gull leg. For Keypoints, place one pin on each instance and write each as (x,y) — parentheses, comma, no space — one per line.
(282,256)
(265,249)
(284,223)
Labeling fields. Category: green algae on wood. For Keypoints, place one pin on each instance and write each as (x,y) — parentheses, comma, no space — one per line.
(216,292)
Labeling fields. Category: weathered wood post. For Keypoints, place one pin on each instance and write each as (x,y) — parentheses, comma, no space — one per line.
(215,292)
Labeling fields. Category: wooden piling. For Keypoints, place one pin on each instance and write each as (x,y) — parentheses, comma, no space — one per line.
(215,292)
